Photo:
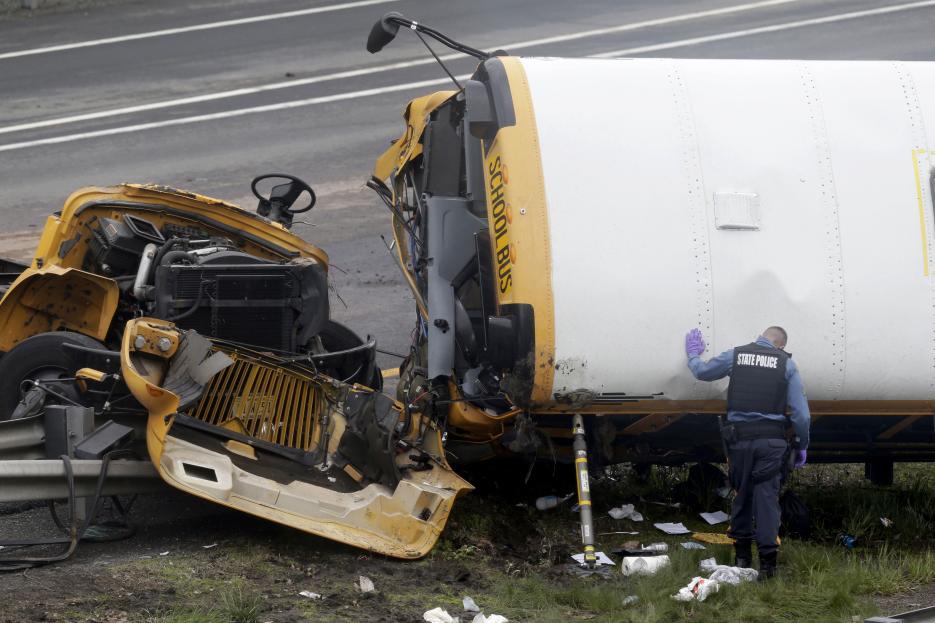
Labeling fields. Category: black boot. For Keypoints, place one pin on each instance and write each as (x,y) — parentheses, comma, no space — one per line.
(743,554)
(767,566)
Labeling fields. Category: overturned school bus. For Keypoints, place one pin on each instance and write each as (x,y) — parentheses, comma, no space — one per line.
(561,223)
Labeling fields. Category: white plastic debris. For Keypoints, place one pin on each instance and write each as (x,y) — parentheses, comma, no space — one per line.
(672,528)
(166,553)
(692,545)
(631,600)
(209,546)
(715,518)
(643,565)
(733,575)
(698,589)
(365,584)
(310,595)
(438,615)
(886,521)
(469,605)
(493,618)
(726,574)
(627,511)
(602,559)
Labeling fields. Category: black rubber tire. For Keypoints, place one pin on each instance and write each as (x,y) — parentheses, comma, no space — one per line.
(44,350)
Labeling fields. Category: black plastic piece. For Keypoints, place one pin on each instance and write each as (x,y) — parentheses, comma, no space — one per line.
(368,443)
(444,154)
(143,229)
(105,438)
(383,32)
(116,246)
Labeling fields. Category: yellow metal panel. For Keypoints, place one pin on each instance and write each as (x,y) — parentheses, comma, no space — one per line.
(518,220)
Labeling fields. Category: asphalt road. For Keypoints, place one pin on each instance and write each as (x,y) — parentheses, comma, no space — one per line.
(158,107)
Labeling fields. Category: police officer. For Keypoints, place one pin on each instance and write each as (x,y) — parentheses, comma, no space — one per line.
(763,382)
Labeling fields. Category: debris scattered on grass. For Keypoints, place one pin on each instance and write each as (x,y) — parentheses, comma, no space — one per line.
(726,574)
(887,522)
(698,589)
(209,546)
(439,615)
(610,533)
(692,545)
(602,559)
(672,528)
(656,547)
(166,553)
(715,518)
(643,565)
(493,618)
(310,595)
(469,605)
(631,600)
(848,541)
(365,584)
(627,511)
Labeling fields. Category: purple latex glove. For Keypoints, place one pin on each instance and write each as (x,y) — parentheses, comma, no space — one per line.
(694,343)
(800,456)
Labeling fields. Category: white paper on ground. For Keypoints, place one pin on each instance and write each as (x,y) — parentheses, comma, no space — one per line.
(469,605)
(365,584)
(672,528)
(602,559)
(693,545)
(715,518)
(310,595)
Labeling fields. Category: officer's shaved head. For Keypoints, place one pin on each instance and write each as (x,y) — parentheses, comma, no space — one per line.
(776,335)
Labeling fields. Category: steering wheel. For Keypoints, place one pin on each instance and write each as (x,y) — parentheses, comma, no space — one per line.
(278,206)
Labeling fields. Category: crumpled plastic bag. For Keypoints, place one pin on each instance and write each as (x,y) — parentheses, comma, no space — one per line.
(493,618)
(469,605)
(698,589)
(627,511)
(726,574)
(438,615)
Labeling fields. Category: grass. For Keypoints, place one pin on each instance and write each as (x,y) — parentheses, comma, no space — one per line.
(820,579)
(817,584)
(515,556)
(237,605)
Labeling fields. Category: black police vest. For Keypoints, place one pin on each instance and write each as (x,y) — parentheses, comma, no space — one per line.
(758,380)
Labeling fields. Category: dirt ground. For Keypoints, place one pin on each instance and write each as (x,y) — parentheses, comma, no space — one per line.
(187,553)
(189,556)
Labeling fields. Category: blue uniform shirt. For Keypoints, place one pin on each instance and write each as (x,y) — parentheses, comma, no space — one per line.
(720,366)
